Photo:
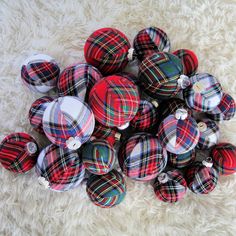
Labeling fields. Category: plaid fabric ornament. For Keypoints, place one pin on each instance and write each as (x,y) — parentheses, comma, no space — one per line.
(59,169)
(181,160)
(224,158)
(202,177)
(77,80)
(39,73)
(209,134)
(225,110)
(150,40)
(204,93)
(170,186)
(106,190)
(114,101)
(159,75)
(36,113)
(178,133)
(141,157)
(98,157)
(18,152)
(68,122)
(189,61)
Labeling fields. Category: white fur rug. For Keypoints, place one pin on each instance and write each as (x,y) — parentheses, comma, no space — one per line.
(60,28)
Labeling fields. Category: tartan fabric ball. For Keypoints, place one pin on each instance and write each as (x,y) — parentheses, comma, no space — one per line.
(224,158)
(150,40)
(209,134)
(18,152)
(141,157)
(181,160)
(39,73)
(114,101)
(107,50)
(170,186)
(225,110)
(189,61)
(98,157)
(159,74)
(68,122)
(106,190)
(201,178)
(77,80)
(204,93)
(36,113)
(146,117)
(59,169)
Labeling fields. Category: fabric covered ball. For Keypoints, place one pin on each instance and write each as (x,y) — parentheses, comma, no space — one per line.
(225,110)
(141,157)
(204,93)
(181,160)
(159,75)
(36,113)
(178,133)
(59,169)
(77,80)
(209,134)
(189,61)
(68,122)
(150,40)
(202,177)
(224,158)
(39,73)
(114,101)
(98,157)
(106,190)
(170,186)
(107,50)
(18,152)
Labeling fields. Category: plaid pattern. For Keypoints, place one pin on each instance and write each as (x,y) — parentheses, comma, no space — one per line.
(68,117)
(210,136)
(224,158)
(208,98)
(181,160)
(129,76)
(106,190)
(98,157)
(189,61)
(173,190)
(114,101)
(141,157)
(62,168)
(178,136)
(146,117)
(159,74)
(15,155)
(36,113)
(201,179)
(149,41)
(77,80)
(107,49)
(225,110)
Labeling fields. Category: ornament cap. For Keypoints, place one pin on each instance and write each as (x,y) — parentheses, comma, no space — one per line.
(181,114)
(163,178)
(122,127)
(31,147)
(73,143)
(130,54)
(208,162)
(183,81)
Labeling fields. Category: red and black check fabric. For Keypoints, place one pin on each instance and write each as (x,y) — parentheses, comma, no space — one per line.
(173,190)
(36,111)
(107,50)
(16,154)
(141,157)
(106,190)
(224,158)
(114,101)
(149,41)
(189,61)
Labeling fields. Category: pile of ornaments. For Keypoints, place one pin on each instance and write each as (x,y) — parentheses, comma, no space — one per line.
(106,123)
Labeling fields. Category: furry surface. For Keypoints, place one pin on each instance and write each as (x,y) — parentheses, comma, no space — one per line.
(60,28)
